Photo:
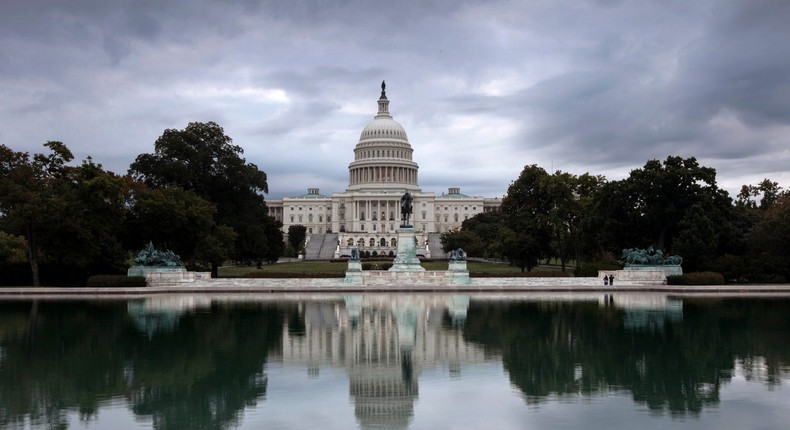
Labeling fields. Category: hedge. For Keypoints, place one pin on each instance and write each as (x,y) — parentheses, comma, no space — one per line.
(533,274)
(293,275)
(696,278)
(376,266)
(119,281)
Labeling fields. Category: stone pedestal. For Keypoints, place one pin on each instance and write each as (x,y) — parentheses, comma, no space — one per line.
(458,273)
(406,260)
(642,275)
(145,270)
(354,273)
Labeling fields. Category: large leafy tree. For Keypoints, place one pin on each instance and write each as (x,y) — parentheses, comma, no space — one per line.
(526,233)
(70,217)
(771,234)
(570,198)
(649,207)
(467,240)
(296,237)
(29,194)
(767,191)
(88,232)
(171,218)
(201,158)
(485,225)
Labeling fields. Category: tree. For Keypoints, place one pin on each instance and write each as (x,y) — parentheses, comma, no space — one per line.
(467,240)
(171,218)
(647,207)
(526,233)
(771,234)
(89,236)
(485,225)
(696,240)
(767,191)
(12,248)
(521,248)
(29,196)
(71,217)
(201,158)
(570,198)
(296,238)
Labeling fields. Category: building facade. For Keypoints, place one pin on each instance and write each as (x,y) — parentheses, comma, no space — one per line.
(367,214)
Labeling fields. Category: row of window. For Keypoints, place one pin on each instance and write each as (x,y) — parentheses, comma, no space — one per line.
(310,208)
(447,217)
(370,153)
(372,242)
(456,208)
(310,218)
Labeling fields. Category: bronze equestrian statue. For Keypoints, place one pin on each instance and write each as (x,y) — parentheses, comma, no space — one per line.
(405,208)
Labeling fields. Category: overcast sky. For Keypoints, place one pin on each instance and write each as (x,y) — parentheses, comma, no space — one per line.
(483,88)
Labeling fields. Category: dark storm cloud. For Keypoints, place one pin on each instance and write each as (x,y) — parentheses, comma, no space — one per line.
(486,87)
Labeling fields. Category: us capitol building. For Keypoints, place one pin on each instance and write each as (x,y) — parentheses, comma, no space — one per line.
(367,213)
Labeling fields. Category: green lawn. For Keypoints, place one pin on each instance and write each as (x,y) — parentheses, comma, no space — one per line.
(340,267)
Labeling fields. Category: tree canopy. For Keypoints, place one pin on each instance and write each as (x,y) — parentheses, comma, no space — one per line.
(202,159)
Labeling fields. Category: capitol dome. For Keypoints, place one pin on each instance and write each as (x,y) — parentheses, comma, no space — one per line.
(383,127)
(383,156)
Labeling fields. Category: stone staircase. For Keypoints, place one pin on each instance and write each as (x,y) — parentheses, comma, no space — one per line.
(321,246)
(435,246)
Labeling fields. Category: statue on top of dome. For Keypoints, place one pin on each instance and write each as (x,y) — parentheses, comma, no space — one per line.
(383,90)
(405,209)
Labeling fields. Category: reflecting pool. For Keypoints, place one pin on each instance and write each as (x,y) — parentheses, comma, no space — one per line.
(421,361)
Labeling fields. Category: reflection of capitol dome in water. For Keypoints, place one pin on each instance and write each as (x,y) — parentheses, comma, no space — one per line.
(383,342)
(382,378)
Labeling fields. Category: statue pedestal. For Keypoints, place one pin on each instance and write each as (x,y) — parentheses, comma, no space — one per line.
(458,273)
(145,270)
(406,260)
(354,273)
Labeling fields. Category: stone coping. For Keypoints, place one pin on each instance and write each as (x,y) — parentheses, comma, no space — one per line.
(229,285)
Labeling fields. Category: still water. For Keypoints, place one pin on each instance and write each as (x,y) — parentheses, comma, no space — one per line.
(433,361)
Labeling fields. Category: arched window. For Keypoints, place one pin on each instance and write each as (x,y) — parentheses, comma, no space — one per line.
(393,242)
(372,242)
(361,243)
(350,242)
(383,242)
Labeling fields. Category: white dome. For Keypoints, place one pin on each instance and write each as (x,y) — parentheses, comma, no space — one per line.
(383,156)
(383,128)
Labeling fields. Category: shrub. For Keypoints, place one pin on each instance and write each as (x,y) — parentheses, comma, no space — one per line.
(591,268)
(293,275)
(752,269)
(119,281)
(533,274)
(376,266)
(696,278)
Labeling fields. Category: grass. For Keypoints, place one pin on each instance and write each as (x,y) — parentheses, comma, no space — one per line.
(318,267)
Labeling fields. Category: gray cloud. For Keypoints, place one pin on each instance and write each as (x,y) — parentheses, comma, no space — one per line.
(482,87)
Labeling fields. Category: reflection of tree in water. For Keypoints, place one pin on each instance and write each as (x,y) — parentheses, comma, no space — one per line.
(65,356)
(201,375)
(566,348)
(204,373)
